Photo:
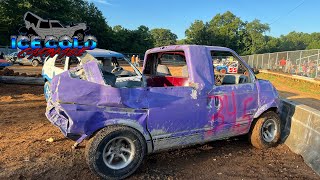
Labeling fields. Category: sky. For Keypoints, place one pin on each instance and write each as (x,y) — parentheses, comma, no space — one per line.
(283,16)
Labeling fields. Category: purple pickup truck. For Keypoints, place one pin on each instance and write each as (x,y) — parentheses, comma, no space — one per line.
(126,116)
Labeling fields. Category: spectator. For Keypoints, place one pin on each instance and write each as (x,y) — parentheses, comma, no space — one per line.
(304,69)
(133,59)
(1,55)
(115,62)
(137,61)
(288,66)
(283,63)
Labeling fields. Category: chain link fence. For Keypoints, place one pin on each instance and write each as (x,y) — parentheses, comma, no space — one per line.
(303,62)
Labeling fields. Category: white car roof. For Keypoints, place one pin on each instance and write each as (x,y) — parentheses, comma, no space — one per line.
(104,53)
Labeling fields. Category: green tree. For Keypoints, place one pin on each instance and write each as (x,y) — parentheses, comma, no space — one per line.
(254,33)
(135,41)
(294,41)
(141,39)
(273,44)
(163,37)
(197,33)
(182,41)
(226,30)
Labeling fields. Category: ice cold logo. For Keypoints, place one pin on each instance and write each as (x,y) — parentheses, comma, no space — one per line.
(64,46)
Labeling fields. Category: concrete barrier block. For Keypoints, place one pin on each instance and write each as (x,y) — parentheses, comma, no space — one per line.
(21,80)
(301,131)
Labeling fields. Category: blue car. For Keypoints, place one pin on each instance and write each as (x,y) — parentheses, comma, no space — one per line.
(4,63)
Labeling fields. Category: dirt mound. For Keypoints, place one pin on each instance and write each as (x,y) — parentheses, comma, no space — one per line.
(10,72)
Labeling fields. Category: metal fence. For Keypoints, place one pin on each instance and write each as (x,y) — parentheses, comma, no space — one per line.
(303,62)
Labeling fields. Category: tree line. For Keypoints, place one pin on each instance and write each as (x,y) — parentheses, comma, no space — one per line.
(222,30)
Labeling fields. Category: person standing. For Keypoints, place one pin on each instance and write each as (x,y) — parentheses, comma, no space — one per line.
(133,58)
(283,63)
(137,61)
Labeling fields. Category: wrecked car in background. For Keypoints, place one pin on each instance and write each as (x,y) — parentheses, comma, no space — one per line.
(35,25)
(124,117)
(4,63)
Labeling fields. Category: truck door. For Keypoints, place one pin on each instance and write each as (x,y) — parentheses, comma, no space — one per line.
(233,99)
(58,30)
(177,113)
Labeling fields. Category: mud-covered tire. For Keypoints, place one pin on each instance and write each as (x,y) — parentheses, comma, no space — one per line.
(35,63)
(96,151)
(268,121)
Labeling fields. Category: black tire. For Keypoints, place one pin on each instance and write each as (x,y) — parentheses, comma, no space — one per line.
(21,64)
(257,136)
(35,63)
(96,146)
(23,31)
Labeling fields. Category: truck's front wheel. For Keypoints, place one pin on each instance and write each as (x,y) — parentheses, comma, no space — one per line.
(35,63)
(47,90)
(115,152)
(265,132)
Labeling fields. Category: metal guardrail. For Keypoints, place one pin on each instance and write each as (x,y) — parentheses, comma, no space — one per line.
(302,62)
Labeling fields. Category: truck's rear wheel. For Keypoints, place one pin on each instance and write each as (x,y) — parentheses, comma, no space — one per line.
(265,132)
(115,152)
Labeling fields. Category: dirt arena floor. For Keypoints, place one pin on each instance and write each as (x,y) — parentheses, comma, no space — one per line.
(25,153)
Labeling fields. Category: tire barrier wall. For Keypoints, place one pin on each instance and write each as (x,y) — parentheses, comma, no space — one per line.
(301,131)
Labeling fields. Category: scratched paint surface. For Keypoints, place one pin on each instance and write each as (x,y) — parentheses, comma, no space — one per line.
(169,116)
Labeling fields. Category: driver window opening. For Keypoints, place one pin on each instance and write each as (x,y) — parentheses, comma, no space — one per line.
(229,69)
(117,72)
(165,69)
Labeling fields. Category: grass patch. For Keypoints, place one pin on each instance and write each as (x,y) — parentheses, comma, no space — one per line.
(297,84)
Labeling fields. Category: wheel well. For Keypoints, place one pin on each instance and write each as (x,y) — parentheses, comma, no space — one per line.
(36,60)
(113,125)
(123,125)
(77,31)
(274,109)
